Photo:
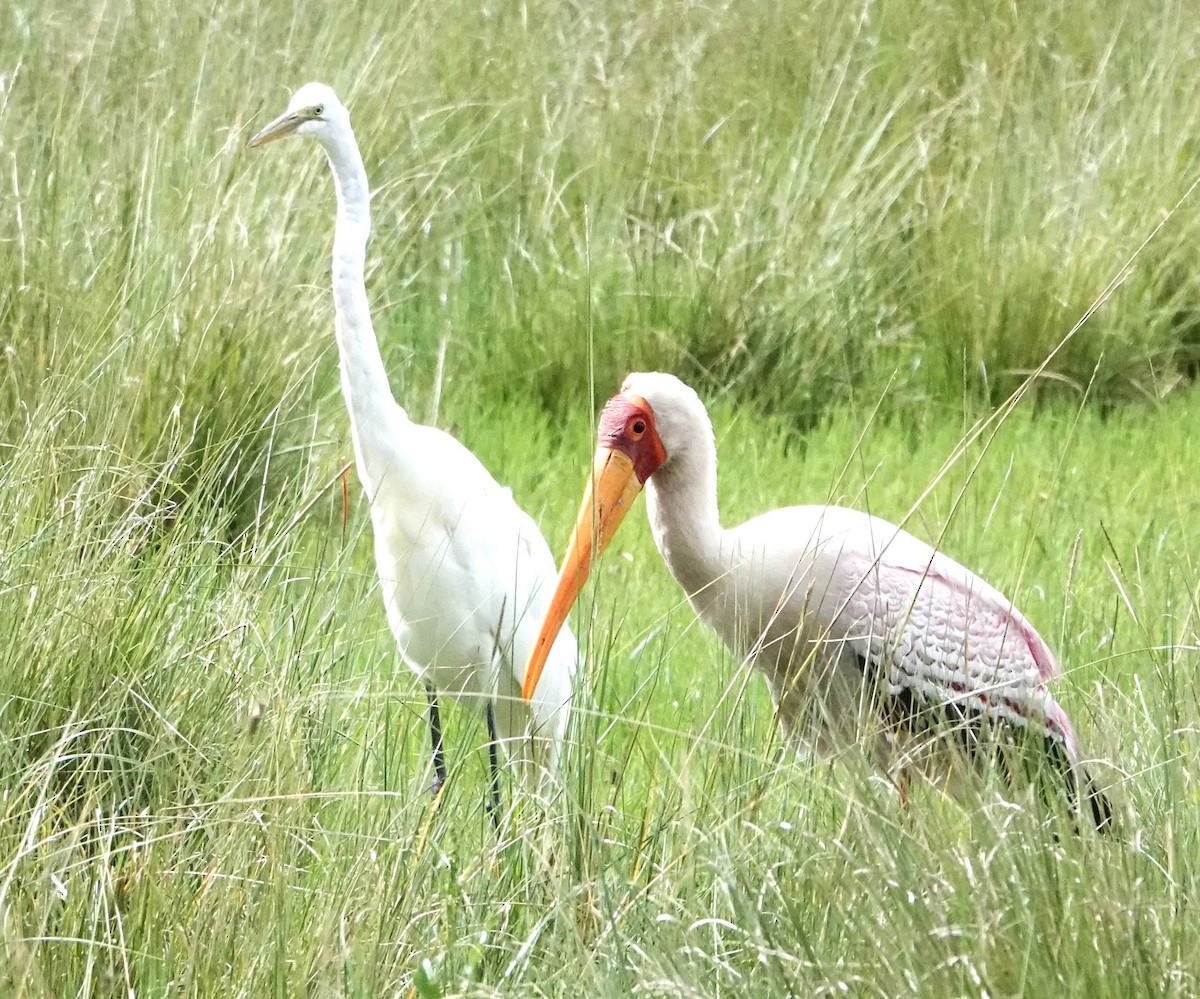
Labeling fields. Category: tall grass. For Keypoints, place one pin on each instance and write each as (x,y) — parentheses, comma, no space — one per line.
(866,222)
(793,202)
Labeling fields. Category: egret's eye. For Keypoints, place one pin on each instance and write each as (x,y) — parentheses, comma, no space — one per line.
(318,110)
(637,428)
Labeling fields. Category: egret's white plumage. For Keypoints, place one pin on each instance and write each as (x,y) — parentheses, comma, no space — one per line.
(865,634)
(466,575)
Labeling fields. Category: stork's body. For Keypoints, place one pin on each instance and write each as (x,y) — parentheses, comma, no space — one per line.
(466,575)
(866,635)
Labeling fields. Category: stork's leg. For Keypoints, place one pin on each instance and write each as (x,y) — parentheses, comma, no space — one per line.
(493,800)
(435,738)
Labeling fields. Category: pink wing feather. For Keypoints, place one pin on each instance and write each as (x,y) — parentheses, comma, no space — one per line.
(949,637)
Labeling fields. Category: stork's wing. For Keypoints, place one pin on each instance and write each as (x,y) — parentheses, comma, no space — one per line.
(943,637)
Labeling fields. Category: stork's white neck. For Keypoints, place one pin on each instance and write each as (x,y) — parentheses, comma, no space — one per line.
(373,409)
(681,501)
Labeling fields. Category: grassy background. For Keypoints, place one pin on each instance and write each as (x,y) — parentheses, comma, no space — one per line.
(855,228)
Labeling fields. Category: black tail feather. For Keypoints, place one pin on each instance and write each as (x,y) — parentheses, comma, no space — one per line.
(1096,805)
(1018,753)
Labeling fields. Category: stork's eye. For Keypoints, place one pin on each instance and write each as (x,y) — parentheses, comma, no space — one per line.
(637,428)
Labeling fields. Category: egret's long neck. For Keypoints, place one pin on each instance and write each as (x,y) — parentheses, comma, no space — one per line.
(373,409)
(681,499)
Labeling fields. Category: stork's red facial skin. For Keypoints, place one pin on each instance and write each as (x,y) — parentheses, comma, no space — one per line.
(628,453)
(627,425)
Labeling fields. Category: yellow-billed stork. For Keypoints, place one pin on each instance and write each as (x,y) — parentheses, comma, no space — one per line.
(866,635)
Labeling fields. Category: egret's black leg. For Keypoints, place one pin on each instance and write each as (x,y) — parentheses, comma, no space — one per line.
(435,738)
(493,802)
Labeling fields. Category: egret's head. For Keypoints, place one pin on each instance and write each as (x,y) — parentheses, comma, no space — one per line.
(313,112)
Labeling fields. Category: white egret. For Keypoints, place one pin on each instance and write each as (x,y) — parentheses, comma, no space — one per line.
(466,575)
(866,635)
